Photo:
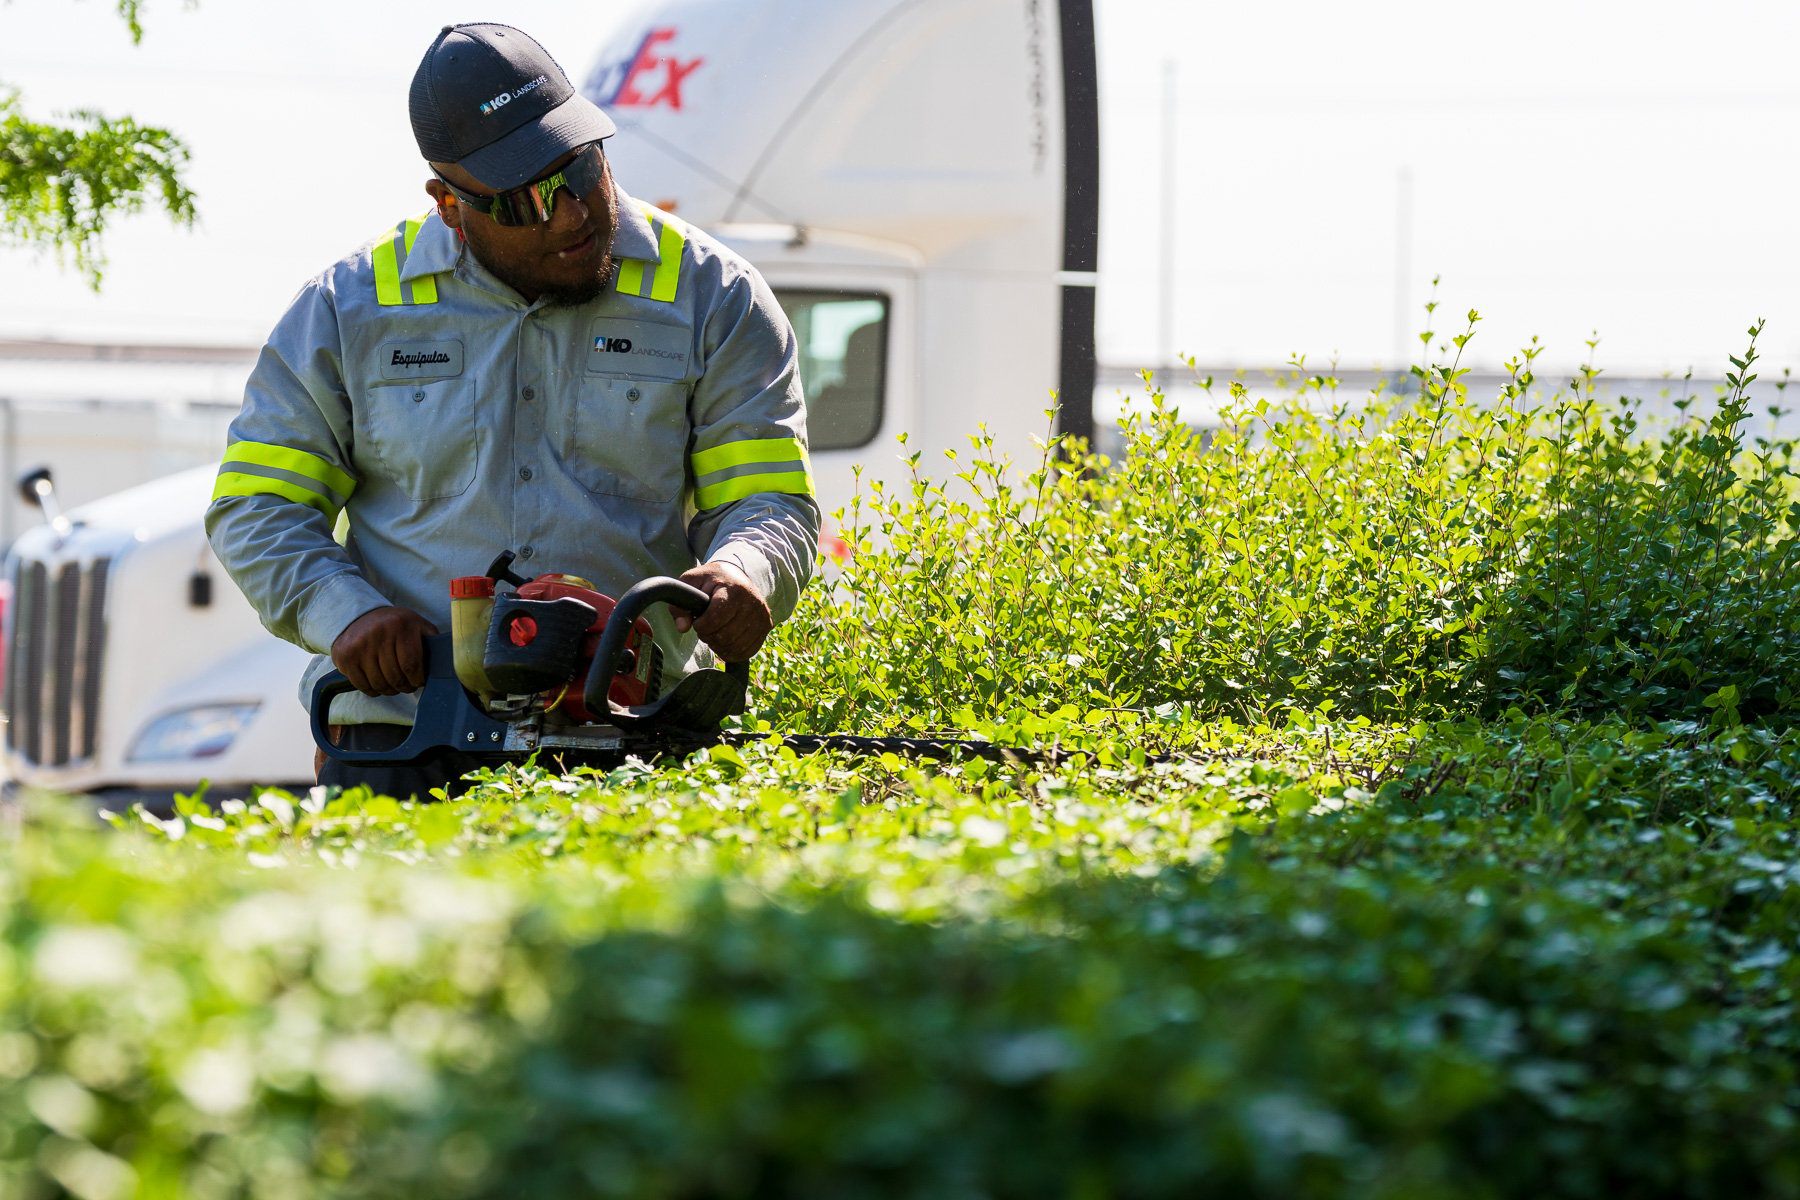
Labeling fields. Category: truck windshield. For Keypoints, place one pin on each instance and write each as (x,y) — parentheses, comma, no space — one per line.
(843,363)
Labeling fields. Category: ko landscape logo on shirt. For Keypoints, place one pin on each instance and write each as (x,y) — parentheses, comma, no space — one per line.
(638,348)
(420,360)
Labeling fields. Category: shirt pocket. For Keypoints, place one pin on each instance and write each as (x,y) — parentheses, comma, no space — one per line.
(628,437)
(422,436)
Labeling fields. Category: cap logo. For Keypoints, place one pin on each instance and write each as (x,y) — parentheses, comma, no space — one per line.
(505,98)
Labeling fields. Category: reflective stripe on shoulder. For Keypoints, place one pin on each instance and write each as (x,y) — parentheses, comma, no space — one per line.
(259,469)
(664,276)
(734,470)
(390,254)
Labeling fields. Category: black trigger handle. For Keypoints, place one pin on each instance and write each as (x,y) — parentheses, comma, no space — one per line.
(501,569)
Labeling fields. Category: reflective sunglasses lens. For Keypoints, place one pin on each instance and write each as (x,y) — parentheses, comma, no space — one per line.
(521,206)
(585,172)
(533,203)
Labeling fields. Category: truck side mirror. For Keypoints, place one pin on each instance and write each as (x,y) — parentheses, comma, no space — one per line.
(34,485)
(36,488)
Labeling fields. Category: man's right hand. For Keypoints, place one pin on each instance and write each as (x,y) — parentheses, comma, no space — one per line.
(382,652)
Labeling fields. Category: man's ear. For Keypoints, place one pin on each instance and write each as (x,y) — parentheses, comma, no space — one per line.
(448,209)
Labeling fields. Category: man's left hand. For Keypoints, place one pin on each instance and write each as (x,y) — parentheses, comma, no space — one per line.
(737,621)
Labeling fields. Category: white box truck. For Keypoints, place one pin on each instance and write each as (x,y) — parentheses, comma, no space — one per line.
(917,180)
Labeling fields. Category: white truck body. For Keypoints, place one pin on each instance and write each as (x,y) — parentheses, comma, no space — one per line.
(919,157)
(897,171)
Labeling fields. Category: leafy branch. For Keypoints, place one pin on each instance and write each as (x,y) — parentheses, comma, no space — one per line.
(61,185)
(128,13)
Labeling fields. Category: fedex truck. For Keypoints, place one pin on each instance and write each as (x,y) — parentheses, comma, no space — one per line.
(916,179)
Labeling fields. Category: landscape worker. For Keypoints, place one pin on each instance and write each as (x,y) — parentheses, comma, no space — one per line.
(541,363)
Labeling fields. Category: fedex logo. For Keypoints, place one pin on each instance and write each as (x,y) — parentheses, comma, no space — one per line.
(648,78)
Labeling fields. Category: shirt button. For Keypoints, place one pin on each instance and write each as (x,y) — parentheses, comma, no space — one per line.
(633,394)
(525,552)
(418,396)
(529,393)
(525,473)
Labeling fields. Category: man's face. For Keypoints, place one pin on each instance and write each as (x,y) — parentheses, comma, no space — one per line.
(566,260)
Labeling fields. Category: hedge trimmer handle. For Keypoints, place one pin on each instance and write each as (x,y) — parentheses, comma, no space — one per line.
(446,719)
(660,589)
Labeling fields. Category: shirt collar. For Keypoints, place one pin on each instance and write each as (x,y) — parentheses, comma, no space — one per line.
(435,249)
(635,238)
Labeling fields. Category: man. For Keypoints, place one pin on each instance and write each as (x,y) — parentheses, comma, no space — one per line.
(541,364)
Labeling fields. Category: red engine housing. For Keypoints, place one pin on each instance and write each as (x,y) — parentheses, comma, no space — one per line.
(628,687)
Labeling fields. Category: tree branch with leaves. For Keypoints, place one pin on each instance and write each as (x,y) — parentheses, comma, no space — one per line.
(63,184)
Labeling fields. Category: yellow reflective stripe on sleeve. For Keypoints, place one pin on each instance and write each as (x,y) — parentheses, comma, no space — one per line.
(793,483)
(387,272)
(413,225)
(631,277)
(298,462)
(668,271)
(231,483)
(750,450)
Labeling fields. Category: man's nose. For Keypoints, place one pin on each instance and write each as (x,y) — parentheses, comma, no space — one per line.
(569,211)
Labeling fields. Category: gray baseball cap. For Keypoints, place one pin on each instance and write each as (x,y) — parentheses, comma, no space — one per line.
(490,99)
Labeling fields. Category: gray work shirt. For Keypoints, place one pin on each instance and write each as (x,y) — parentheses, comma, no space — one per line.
(655,427)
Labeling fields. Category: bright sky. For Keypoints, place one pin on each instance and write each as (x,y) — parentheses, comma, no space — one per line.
(1613,165)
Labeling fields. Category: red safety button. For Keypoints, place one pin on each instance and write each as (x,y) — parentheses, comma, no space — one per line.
(522,631)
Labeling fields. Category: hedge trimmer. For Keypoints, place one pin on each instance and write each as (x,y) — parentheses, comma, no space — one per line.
(554,668)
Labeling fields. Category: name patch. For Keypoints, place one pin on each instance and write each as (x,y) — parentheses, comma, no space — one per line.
(420,360)
(638,348)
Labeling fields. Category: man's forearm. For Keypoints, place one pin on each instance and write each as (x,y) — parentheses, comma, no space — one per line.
(282,557)
(774,541)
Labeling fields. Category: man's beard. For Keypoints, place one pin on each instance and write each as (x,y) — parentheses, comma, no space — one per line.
(565,295)
(572,295)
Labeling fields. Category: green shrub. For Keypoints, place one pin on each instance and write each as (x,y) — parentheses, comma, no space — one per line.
(1661,574)
(1390,556)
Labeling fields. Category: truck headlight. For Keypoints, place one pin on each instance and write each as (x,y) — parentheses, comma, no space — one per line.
(206,731)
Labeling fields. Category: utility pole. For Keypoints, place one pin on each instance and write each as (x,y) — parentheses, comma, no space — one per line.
(1403,236)
(9,465)
(1165,345)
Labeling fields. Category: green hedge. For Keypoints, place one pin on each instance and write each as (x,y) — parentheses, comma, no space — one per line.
(1539,959)
(1476,876)
(1402,557)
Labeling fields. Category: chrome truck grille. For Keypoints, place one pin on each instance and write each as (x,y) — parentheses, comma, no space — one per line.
(53,663)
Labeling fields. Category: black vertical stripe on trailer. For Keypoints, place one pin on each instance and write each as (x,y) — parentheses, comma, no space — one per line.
(1081,215)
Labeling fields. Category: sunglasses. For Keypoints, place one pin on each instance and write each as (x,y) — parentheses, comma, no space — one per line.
(532,203)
